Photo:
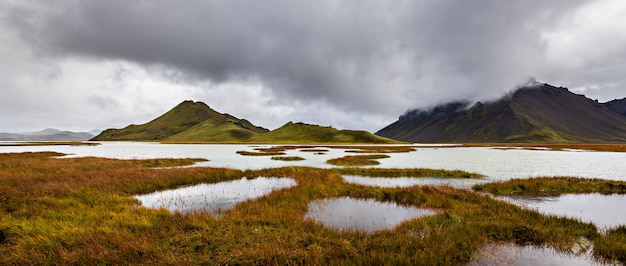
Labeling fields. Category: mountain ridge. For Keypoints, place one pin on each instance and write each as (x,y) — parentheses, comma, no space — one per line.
(196,122)
(536,113)
(182,122)
(48,134)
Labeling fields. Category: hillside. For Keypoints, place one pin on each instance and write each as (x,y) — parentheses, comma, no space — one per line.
(619,105)
(49,134)
(187,122)
(539,113)
(306,133)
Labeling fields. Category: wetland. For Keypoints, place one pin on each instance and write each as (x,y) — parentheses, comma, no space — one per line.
(84,205)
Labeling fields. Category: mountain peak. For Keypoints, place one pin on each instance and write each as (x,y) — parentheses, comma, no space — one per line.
(537,112)
(175,124)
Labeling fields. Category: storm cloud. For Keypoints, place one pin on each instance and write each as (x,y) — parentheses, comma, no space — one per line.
(350,64)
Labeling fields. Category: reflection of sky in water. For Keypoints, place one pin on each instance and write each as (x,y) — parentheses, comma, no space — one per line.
(606,211)
(214,197)
(495,163)
(389,182)
(511,254)
(365,215)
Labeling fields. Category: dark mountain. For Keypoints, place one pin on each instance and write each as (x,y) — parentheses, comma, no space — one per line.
(49,134)
(538,113)
(187,122)
(618,105)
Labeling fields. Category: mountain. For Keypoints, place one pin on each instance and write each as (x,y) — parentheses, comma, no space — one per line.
(187,122)
(49,134)
(536,113)
(618,105)
(306,133)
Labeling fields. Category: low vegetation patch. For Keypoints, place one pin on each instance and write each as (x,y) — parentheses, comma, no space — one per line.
(260,153)
(287,158)
(380,149)
(612,245)
(357,160)
(82,211)
(405,172)
(551,186)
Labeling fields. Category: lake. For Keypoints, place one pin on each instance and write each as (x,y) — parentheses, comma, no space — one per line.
(496,164)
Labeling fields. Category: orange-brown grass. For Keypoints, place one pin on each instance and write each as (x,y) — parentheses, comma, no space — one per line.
(81,211)
(287,158)
(406,172)
(380,149)
(357,160)
(261,153)
(553,186)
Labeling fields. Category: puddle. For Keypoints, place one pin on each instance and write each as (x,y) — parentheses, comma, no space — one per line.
(605,211)
(363,215)
(214,198)
(512,254)
(388,182)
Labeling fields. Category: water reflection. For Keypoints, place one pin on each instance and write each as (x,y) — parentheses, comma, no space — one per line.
(512,254)
(363,215)
(388,182)
(605,211)
(213,198)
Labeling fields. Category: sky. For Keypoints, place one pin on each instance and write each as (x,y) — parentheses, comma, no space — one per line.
(352,64)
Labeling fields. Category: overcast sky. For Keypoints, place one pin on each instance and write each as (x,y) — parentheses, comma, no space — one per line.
(351,64)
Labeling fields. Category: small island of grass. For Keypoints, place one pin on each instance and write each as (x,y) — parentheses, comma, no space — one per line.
(287,158)
(358,160)
(552,186)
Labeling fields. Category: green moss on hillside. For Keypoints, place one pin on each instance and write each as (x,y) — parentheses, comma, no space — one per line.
(187,122)
(305,133)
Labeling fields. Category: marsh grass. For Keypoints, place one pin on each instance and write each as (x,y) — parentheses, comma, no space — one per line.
(357,160)
(82,211)
(288,158)
(552,186)
(406,172)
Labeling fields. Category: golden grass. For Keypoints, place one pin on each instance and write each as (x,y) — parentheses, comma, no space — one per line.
(357,160)
(553,186)
(81,211)
(287,158)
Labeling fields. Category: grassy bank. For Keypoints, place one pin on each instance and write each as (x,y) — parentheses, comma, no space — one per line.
(552,186)
(611,245)
(81,211)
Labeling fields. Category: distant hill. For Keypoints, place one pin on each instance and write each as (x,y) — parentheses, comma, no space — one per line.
(306,133)
(538,113)
(187,122)
(49,134)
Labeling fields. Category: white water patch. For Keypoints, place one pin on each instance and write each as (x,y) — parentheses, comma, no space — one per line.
(391,182)
(362,215)
(605,211)
(214,198)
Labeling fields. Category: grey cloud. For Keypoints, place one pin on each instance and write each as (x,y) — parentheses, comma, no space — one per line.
(360,56)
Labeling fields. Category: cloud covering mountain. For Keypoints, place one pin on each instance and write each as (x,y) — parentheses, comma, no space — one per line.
(349,64)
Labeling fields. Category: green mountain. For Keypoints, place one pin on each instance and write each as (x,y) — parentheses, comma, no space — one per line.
(537,113)
(300,133)
(187,122)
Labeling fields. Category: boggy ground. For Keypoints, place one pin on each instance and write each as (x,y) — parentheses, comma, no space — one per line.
(81,210)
